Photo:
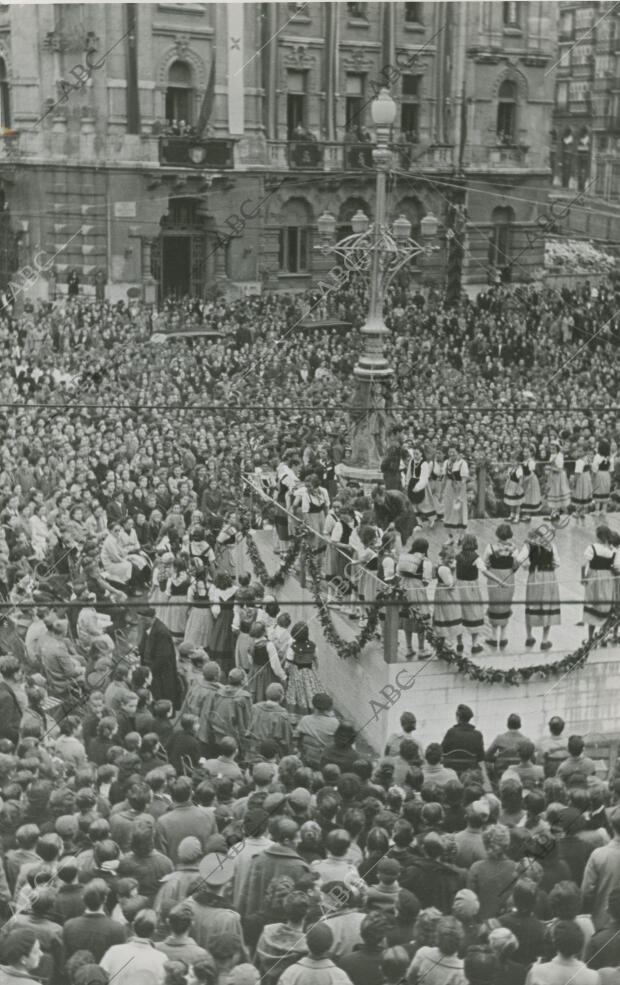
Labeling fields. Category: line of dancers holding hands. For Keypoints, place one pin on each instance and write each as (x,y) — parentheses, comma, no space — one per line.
(474,588)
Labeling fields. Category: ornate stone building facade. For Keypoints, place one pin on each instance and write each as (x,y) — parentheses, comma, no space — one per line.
(171,148)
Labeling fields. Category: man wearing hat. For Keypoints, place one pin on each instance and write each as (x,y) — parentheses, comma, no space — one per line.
(156,649)
(212,917)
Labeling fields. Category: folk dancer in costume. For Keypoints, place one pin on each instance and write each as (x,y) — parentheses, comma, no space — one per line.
(158,595)
(266,666)
(531,505)
(339,556)
(542,594)
(303,682)
(614,541)
(558,489)
(447,617)
(244,616)
(416,572)
(229,547)
(281,637)
(364,567)
(513,489)
(469,566)
(418,488)
(311,503)
(601,475)
(198,621)
(286,482)
(176,591)
(499,557)
(582,483)
(438,475)
(599,575)
(455,514)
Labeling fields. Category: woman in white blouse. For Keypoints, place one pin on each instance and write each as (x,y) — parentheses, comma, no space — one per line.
(558,490)
(602,563)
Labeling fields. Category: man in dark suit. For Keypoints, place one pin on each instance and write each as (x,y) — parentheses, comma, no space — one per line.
(156,648)
(10,708)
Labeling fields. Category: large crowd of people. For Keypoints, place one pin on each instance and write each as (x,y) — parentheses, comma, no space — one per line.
(180,802)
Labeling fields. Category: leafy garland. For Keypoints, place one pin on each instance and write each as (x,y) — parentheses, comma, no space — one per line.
(273,581)
(512,675)
(344,649)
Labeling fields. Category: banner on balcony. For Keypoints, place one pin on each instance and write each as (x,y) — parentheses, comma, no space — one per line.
(236,66)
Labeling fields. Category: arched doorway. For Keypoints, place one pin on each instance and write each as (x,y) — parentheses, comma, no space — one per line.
(179,260)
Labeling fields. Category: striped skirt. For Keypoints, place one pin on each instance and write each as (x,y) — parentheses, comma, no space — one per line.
(531,495)
(447,619)
(500,599)
(427,510)
(582,493)
(455,516)
(558,491)
(599,597)
(303,683)
(414,615)
(513,493)
(542,599)
(601,486)
(471,604)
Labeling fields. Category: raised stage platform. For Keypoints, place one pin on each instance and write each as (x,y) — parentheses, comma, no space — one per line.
(588,699)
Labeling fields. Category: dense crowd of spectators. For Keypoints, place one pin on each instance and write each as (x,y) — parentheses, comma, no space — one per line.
(180,802)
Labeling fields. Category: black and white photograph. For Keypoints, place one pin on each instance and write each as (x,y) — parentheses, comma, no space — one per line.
(310,493)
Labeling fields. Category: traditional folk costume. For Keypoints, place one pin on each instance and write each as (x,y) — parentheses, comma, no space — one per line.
(419,491)
(500,559)
(415,572)
(601,481)
(542,594)
(220,638)
(286,480)
(601,568)
(176,590)
(244,618)
(558,489)
(514,492)
(468,568)
(438,473)
(447,617)
(455,513)
(226,554)
(531,505)
(303,682)
(198,621)
(266,668)
(582,489)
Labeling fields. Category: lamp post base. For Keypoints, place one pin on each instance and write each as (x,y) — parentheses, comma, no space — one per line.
(367,478)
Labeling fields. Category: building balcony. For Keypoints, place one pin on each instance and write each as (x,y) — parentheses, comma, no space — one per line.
(195,152)
(310,156)
(606,123)
(498,157)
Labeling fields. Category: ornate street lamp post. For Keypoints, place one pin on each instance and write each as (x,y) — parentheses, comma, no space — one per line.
(377,252)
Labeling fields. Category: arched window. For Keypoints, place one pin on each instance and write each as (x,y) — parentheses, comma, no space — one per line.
(507,112)
(295,237)
(180,93)
(500,244)
(5,105)
(345,214)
